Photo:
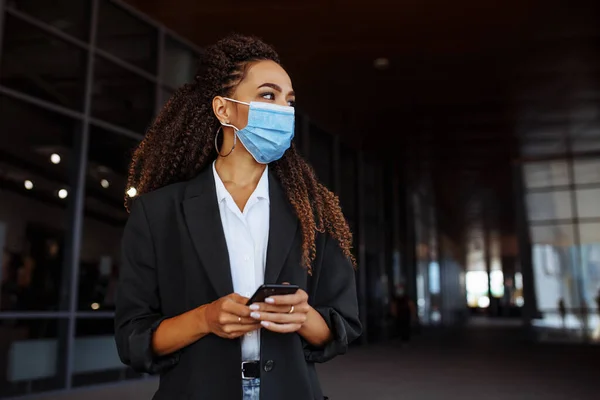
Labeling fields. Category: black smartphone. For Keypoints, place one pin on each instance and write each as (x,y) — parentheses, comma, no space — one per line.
(271,289)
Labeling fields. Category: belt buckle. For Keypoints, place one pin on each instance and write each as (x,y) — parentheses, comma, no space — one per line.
(244,363)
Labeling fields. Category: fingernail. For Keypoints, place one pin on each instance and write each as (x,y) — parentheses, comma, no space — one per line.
(254,307)
(255,315)
(264,323)
(270,300)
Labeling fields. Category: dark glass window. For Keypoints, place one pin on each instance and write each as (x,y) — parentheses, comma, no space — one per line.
(69,16)
(374,257)
(105,217)
(127,37)
(30,360)
(42,65)
(586,139)
(178,63)
(96,358)
(122,97)
(165,95)
(36,157)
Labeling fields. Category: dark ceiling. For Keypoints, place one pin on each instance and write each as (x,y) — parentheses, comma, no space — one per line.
(466,81)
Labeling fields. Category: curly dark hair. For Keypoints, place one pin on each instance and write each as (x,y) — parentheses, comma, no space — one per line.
(179,144)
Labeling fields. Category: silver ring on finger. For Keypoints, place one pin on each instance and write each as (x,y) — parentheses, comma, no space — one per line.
(291,310)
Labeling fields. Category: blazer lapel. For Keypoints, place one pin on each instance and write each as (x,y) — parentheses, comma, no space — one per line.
(283,224)
(203,220)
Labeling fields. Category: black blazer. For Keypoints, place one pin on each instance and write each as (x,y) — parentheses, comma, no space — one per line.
(175,259)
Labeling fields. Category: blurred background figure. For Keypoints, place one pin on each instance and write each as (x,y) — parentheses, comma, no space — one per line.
(562,311)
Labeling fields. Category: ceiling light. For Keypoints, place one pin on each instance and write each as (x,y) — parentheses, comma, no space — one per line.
(95,306)
(63,193)
(105,184)
(381,63)
(483,302)
(28,184)
(55,158)
(132,192)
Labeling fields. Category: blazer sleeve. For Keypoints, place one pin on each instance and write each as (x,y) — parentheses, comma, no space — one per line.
(335,299)
(138,310)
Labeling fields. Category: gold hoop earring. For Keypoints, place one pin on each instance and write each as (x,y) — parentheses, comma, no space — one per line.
(217,145)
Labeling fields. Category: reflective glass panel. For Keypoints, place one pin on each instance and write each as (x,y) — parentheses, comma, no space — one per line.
(36,157)
(30,359)
(126,36)
(41,65)
(122,97)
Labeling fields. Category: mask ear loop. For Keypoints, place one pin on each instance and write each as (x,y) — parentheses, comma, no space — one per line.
(237,101)
(234,139)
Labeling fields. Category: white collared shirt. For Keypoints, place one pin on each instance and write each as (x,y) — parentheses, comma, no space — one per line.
(247,236)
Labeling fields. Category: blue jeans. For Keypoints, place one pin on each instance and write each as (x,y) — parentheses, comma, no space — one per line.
(251,389)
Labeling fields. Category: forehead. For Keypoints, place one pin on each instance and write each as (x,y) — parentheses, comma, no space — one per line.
(267,72)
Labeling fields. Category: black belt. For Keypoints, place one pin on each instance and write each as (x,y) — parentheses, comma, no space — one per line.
(250,369)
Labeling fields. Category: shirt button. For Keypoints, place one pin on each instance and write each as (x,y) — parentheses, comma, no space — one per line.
(247,258)
(249,334)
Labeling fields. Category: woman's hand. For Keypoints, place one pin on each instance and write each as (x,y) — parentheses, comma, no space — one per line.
(283,314)
(229,317)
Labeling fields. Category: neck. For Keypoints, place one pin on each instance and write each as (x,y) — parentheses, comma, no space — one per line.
(239,168)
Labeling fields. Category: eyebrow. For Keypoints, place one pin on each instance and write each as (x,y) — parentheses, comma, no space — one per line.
(276,87)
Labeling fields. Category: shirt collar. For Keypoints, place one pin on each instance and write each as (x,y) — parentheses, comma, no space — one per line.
(261,192)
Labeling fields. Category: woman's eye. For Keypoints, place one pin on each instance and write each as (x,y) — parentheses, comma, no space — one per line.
(268,96)
(292,103)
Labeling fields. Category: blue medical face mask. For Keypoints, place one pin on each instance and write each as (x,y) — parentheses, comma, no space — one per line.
(269,132)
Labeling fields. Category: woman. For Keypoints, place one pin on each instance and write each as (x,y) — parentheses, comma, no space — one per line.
(228,204)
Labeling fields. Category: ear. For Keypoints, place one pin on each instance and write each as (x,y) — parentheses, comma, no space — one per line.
(219,105)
